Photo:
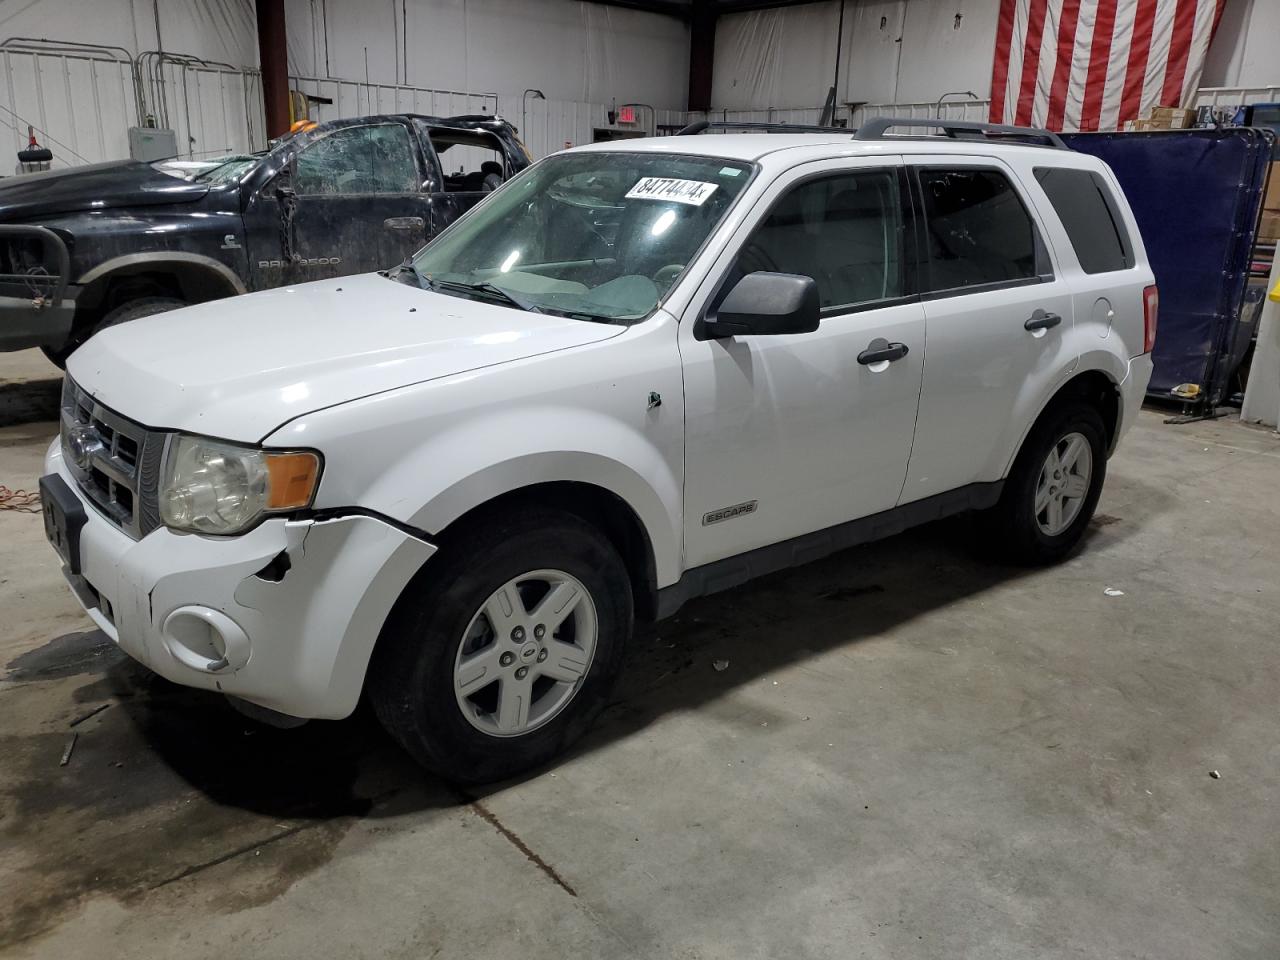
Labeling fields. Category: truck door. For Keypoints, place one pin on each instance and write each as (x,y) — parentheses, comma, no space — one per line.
(349,201)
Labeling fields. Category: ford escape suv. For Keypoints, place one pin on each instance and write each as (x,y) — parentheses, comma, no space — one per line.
(630,376)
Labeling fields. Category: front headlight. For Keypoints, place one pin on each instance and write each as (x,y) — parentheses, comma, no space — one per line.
(209,486)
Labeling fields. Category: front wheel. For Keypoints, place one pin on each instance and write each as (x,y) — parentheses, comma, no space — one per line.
(1054,486)
(129,310)
(505,648)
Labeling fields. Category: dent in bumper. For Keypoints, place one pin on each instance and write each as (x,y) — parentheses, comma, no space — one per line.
(310,633)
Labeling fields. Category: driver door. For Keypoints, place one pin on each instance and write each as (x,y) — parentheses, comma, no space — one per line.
(788,435)
(350,201)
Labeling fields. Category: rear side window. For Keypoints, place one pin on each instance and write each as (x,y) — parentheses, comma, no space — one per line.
(978,231)
(1088,211)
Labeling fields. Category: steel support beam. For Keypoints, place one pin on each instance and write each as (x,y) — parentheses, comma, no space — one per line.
(702,53)
(275,65)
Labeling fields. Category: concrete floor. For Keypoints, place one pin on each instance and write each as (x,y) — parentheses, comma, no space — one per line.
(911,754)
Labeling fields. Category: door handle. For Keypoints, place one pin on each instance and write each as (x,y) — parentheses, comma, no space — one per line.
(880,350)
(403,223)
(1042,320)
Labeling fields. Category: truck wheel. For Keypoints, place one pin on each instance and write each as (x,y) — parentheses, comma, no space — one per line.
(132,310)
(1054,486)
(504,649)
(137,309)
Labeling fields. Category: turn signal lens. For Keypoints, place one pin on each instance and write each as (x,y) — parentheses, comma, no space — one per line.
(291,480)
(1150,307)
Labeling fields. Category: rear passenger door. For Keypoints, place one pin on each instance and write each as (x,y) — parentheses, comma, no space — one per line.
(997,311)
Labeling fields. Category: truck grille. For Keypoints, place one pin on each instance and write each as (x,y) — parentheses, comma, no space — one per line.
(115,461)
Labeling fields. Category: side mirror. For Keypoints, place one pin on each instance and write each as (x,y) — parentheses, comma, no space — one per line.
(284,189)
(766,304)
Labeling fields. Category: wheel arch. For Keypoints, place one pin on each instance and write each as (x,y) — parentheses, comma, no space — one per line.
(1094,385)
(602,508)
(192,277)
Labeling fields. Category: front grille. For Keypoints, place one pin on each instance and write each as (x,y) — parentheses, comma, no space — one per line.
(115,461)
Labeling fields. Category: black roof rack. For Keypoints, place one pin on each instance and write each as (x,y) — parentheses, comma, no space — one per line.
(699,125)
(962,130)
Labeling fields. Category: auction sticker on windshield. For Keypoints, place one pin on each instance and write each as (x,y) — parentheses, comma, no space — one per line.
(693,192)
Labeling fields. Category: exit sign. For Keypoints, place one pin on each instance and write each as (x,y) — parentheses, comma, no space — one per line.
(626,114)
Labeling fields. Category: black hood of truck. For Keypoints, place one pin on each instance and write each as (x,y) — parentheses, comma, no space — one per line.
(119,183)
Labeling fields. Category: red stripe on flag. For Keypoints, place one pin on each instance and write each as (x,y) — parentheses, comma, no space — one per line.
(1136,70)
(1062,69)
(1099,57)
(1000,70)
(1031,60)
(1184,21)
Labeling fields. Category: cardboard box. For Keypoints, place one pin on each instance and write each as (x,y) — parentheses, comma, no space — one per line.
(1270,228)
(1170,118)
(1272,199)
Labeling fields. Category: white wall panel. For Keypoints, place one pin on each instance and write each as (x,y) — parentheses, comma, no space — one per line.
(775,58)
(1244,50)
(570,50)
(940,54)
(871,70)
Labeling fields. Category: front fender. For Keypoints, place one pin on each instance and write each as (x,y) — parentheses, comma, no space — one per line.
(609,414)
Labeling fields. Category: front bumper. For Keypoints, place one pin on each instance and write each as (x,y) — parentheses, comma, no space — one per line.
(197,611)
(36,308)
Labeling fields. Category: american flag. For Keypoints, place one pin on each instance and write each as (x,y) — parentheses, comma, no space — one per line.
(1094,64)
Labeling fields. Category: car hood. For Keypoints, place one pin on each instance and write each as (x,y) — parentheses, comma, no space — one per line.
(240,368)
(120,183)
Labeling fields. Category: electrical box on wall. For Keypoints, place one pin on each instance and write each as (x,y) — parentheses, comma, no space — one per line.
(151,143)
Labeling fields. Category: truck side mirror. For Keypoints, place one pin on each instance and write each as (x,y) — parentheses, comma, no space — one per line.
(765,304)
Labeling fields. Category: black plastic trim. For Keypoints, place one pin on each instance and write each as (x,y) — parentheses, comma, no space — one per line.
(733,571)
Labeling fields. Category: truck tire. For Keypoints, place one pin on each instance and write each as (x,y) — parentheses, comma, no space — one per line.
(137,309)
(130,310)
(1053,488)
(504,649)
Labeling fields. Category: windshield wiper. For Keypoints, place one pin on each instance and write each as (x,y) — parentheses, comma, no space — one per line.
(484,286)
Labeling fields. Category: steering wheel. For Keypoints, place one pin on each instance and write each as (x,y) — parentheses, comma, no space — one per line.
(665,276)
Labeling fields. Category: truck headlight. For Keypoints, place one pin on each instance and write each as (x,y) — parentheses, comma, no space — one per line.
(208,486)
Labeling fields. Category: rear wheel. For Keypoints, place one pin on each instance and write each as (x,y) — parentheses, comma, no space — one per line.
(1054,486)
(505,649)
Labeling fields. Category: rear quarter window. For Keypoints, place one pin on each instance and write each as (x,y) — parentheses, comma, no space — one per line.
(1088,211)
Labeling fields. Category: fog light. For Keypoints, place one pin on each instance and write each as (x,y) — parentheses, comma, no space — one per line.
(205,640)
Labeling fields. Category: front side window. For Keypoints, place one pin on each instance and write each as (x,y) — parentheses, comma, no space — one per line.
(601,235)
(978,232)
(358,160)
(1088,212)
(844,231)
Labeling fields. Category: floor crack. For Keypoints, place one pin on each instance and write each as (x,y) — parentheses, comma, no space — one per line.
(487,815)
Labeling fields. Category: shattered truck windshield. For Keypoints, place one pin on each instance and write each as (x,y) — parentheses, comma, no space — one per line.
(597,235)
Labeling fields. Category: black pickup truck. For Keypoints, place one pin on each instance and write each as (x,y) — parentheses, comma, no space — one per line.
(92,246)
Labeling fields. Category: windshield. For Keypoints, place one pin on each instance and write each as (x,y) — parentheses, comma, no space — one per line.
(217,172)
(603,235)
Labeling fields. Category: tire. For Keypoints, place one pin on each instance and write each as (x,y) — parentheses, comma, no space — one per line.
(130,310)
(137,309)
(416,675)
(1023,531)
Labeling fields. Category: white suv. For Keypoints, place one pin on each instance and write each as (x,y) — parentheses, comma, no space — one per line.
(634,374)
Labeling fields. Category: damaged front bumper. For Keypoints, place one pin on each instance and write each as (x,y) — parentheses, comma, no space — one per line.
(284,616)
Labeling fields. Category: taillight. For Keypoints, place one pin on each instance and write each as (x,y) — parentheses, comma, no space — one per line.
(1150,307)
